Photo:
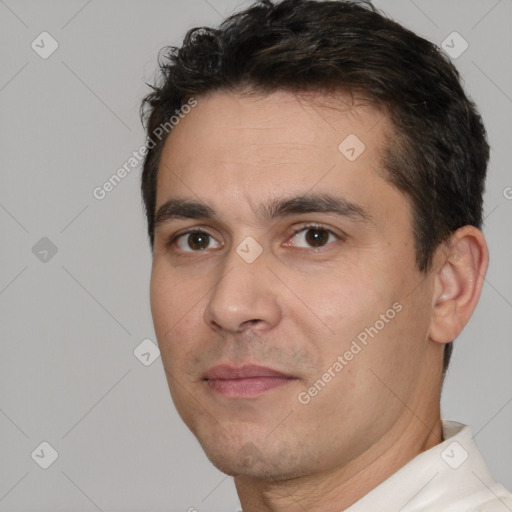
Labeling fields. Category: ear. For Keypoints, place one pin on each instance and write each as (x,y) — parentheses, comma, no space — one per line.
(458,283)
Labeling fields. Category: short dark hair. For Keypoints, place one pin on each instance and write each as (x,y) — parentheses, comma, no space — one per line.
(437,156)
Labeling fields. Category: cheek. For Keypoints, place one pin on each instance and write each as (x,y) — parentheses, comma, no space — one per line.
(162,303)
(340,301)
(172,297)
(172,311)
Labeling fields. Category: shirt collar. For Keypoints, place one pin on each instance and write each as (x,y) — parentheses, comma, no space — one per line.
(451,472)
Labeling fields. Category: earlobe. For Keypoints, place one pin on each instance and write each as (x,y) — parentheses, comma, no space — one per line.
(458,283)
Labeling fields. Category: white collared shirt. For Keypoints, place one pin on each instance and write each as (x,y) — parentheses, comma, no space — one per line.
(450,477)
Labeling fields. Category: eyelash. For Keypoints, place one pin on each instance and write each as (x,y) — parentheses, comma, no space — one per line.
(305,227)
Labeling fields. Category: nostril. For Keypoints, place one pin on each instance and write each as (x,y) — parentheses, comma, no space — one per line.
(248,323)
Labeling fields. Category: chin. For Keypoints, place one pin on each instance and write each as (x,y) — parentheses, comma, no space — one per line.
(270,462)
(248,460)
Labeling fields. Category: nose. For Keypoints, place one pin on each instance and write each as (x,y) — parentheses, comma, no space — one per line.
(245,295)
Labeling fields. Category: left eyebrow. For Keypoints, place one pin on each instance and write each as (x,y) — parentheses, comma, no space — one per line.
(315,203)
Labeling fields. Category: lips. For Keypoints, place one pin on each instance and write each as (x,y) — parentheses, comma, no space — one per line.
(244,381)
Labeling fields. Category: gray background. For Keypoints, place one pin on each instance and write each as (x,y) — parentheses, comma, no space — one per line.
(70,324)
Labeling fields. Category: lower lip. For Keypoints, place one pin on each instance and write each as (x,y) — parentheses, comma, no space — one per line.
(248,387)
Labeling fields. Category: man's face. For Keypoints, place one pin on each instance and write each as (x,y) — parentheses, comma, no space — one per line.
(326,276)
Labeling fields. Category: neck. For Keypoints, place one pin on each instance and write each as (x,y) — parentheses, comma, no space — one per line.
(339,488)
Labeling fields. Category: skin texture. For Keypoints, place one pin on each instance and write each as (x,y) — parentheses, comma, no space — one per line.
(298,307)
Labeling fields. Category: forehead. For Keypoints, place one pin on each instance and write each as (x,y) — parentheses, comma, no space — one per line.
(268,126)
(243,150)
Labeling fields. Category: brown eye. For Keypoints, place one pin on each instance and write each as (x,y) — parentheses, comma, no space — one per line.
(195,241)
(317,237)
(198,241)
(313,237)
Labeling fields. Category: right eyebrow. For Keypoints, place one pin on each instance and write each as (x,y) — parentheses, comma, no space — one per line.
(182,209)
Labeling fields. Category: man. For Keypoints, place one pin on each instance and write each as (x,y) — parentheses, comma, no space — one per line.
(313,188)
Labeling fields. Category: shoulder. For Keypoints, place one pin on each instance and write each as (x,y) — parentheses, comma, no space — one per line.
(471,486)
(500,501)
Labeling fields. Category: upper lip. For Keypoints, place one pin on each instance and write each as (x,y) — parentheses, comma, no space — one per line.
(225,371)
